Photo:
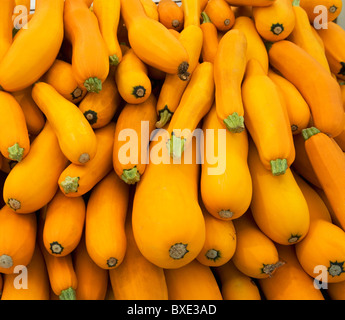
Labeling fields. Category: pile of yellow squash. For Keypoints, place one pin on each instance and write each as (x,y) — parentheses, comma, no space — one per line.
(165,150)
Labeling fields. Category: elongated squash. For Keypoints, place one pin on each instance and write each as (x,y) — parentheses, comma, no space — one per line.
(173,88)
(191,10)
(37,286)
(170,14)
(234,284)
(136,122)
(76,137)
(314,10)
(210,38)
(195,103)
(291,60)
(61,77)
(302,163)
(108,16)
(255,45)
(83,32)
(62,277)
(297,108)
(278,205)
(152,42)
(132,78)
(229,68)
(100,108)
(105,222)
(226,184)
(32,183)
(316,206)
(14,135)
(275,22)
(334,40)
(221,14)
(64,224)
(92,280)
(256,255)
(75,180)
(323,246)
(193,281)
(220,241)
(290,282)
(166,211)
(18,71)
(34,117)
(17,239)
(267,120)
(328,162)
(151,9)
(137,278)
(6,26)
(304,37)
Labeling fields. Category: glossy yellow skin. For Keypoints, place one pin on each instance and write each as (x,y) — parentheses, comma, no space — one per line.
(41,46)
(130,119)
(76,137)
(93,171)
(254,250)
(334,8)
(324,245)
(92,280)
(229,68)
(33,181)
(105,222)
(132,78)
(151,9)
(304,37)
(168,224)
(265,117)
(150,40)
(64,224)
(290,282)
(38,282)
(17,232)
(13,128)
(275,22)
(227,194)
(258,3)
(220,241)
(296,106)
(61,77)
(334,39)
(193,281)
(34,117)
(255,45)
(137,278)
(278,205)
(191,10)
(108,15)
(100,108)
(235,285)
(6,26)
(172,89)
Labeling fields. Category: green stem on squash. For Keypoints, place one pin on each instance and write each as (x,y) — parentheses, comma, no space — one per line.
(68,294)
(164,117)
(205,17)
(114,60)
(15,152)
(93,85)
(296,3)
(278,166)
(234,123)
(70,184)
(131,176)
(309,132)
